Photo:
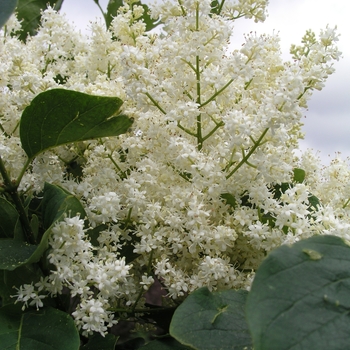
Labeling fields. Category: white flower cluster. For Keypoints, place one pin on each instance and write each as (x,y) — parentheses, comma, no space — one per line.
(196,189)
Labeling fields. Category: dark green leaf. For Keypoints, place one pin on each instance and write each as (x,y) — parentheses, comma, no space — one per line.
(7,8)
(215,320)
(57,203)
(5,291)
(34,225)
(97,342)
(14,253)
(112,10)
(300,297)
(29,12)
(59,116)
(163,317)
(9,220)
(45,329)
(314,202)
(214,7)
(229,199)
(25,274)
(299,175)
(95,233)
(165,344)
(131,344)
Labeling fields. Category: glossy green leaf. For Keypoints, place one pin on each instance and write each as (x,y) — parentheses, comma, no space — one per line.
(207,321)
(59,116)
(10,225)
(14,253)
(29,12)
(7,9)
(300,297)
(47,328)
(97,342)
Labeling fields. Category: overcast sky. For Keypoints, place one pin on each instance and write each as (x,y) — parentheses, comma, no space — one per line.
(327,122)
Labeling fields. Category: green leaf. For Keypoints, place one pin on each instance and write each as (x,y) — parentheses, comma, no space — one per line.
(57,202)
(165,344)
(215,320)
(5,290)
(299,175)
(29,12)
(47,328)
(97,342)
(150,22)
(10,225)
(59,116)
(300,297)
(14,253)
(214,7)
(229,199)
(7,8)
(112,10)
(25,274)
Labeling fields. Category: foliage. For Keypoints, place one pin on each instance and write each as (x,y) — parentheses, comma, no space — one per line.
(143,220)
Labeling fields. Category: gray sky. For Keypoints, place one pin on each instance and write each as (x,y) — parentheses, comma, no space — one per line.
(327,122)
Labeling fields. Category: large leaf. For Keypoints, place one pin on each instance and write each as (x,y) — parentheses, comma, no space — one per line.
(165,344)
(300,297)
(14,253)
(45,329)
(7,8)
(59,116)
(207,321)
(97,342)
(29,12)
(10,225)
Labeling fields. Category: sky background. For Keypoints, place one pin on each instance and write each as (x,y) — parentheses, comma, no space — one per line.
(327,120)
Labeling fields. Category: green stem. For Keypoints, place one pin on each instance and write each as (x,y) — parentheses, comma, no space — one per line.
(346,204)
(182,8)
(24,169)
(216,94)
(187,131)
(103,13)
(155,103)
(213,131)
(221,6)
(11,189)
(122,173)
(199,116)
(247,156)
(149,267)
